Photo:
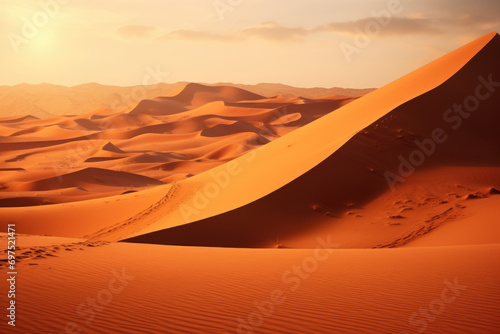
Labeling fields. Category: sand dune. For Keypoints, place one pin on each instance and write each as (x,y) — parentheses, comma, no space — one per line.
(167,139)
(47,100)
(213,290)
(292,205)
(365,214)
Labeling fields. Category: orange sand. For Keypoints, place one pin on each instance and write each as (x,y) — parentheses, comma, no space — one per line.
(172,216)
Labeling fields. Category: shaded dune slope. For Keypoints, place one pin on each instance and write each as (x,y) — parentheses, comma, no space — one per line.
(355,174)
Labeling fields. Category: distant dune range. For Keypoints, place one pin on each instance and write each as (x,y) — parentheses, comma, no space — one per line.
(48,100)
(368,214)
(166,139)
(327,176)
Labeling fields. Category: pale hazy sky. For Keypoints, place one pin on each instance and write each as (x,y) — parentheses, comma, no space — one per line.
(296,42)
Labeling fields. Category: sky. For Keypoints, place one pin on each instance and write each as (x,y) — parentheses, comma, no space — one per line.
(304,43)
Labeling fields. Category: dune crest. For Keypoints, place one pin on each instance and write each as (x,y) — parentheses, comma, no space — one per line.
(324,176)
(104,154)
(218,210)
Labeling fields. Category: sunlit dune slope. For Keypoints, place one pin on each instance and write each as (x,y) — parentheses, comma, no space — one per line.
(305,183)
(67,159)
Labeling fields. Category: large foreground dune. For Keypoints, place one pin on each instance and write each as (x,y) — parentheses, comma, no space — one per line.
(174,216)
(360,167)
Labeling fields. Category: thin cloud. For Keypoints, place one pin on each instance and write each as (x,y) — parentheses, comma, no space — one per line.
(416,24)
(197,35)
(135,31)
(268,31)
(275,32)
(390,27)
(476,22)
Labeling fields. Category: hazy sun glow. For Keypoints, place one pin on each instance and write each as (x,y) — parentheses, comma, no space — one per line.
(310,43)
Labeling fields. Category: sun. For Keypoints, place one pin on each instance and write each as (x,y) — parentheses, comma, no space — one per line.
(42,44)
